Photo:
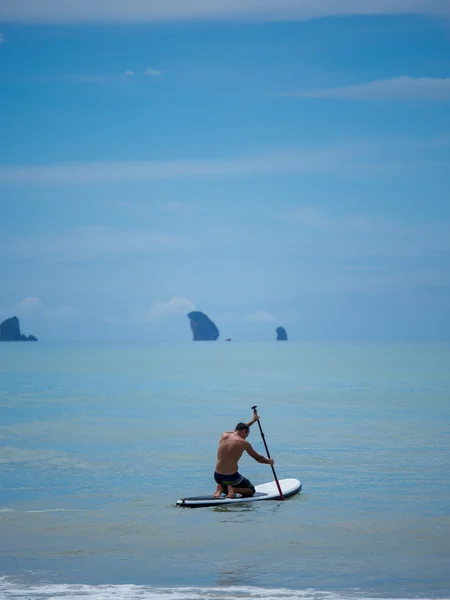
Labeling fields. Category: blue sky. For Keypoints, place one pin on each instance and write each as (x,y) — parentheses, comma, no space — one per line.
(269,163)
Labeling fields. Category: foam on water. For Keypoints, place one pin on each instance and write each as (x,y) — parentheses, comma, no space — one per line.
(10,590)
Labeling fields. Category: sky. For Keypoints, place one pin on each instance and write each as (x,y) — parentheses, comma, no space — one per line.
(268,162)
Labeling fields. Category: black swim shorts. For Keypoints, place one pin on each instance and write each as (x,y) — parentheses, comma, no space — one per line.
(235,480)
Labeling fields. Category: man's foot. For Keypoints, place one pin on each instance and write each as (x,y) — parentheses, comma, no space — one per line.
(230,492)
(218,491)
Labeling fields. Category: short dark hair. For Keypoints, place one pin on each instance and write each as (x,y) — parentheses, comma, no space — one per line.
(242,427)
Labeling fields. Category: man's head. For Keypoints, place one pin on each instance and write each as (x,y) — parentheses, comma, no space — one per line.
(243,429)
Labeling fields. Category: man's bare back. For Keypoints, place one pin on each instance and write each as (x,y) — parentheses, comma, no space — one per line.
(230,450)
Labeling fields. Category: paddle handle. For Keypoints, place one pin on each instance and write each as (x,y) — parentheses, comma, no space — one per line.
(268,456)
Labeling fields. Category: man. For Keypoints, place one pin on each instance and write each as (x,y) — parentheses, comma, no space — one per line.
(231,447)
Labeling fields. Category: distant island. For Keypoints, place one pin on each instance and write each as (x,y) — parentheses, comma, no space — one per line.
(10,332)
(203,329)
(281,334)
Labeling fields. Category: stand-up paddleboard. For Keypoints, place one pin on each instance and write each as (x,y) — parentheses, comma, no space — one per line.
(265,491)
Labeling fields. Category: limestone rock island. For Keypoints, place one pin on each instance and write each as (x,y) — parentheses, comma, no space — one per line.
(203,329)
(281,334)
(10,332)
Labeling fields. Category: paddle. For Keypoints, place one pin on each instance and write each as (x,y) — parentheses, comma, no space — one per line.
(268,455)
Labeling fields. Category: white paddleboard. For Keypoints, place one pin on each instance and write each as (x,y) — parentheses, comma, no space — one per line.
(265,491)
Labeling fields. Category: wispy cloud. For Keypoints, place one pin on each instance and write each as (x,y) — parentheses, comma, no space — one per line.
(162,311)
(152,72)
(88,244)
(365,156)
(2,38)
(111,78)
(111,172)
(55,11)
(90,78)
(398,89)
(348,236)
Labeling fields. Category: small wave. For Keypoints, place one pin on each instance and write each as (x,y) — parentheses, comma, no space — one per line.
(9,590)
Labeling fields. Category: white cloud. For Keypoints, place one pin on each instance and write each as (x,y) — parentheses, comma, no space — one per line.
(29,305)
(129,73)
(398,88)
(56,11)
(89,243)
(2,38)
(162,311)
(152,72)
(33,306)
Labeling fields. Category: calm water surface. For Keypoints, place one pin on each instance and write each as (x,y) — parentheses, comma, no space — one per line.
(98,441)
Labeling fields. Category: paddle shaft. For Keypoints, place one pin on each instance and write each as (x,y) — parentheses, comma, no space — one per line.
(268,456)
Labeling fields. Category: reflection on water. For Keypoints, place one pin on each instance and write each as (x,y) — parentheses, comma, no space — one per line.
(241,508)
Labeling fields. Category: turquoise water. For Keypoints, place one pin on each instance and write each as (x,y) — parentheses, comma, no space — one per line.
(98,441)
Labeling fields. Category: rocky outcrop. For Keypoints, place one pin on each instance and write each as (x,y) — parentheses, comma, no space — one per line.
(10,332)
(203,329)
(281,334)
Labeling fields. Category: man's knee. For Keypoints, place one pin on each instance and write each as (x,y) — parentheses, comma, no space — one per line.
(246,483)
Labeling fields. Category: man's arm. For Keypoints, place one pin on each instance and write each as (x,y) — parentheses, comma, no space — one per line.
(254,419)
(258,457)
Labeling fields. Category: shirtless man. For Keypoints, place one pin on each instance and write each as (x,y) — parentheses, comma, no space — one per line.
(231,447)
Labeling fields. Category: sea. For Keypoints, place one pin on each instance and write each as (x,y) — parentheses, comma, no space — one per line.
(99,440)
